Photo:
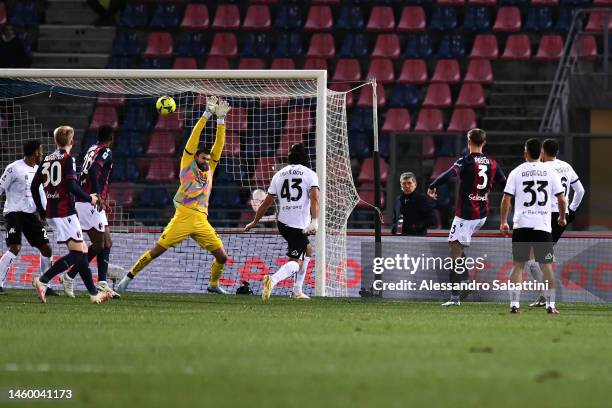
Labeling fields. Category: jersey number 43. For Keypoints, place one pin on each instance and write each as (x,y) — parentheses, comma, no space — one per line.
(287,193)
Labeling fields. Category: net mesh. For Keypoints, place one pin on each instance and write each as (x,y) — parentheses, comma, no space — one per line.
(266,118)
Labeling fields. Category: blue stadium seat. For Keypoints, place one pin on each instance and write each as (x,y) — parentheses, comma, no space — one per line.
(359,145)
(263,134)
(404,96)
(443,19)
(125,170)
(539,19)
(288,17)
(418,46)
(154,197)
(361,120)
(166,16)
(354,45)
(228,196)
(256,45)
(120,63)
(24,14)
(127,44)
(289,45)
(89,138)
(191,45)
(134,16)
(232,168)
(156,63)
(566,15)
(383,146)
(477,19)
(513,2)
(138,118)
(452,46)
(351,18)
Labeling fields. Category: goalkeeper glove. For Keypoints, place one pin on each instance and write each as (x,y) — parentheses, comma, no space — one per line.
(222,109)
(311,229)
(211,104)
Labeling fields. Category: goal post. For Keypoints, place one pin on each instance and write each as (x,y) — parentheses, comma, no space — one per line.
(280,104)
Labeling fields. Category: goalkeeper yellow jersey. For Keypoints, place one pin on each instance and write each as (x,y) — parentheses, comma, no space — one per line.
(194,191)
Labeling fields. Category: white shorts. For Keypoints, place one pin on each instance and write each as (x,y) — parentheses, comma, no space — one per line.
(90,217)
(66,229)
(462,230)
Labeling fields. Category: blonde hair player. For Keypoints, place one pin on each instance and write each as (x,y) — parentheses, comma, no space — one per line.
(191,201)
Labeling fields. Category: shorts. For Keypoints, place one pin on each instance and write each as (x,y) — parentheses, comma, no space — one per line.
(90,217)
(28,224)
(190,223)
(462,230)
(297,242)
(66,229)
(525,239)
(557,230)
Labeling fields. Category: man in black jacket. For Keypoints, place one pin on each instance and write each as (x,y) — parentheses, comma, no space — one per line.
(413,211)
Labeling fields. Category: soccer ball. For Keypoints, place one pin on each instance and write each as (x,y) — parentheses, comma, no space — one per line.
(165,105)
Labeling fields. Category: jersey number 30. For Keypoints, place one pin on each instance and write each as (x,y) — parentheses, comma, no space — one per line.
(286,192)
(52,172)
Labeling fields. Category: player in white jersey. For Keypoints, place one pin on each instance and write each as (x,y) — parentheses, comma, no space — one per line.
(20,211)
(534,185)
(569,181)
(296,187)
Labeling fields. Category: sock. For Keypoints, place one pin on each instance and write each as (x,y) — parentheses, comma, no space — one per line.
(45,264)
(515,295)
(61,265)
(301,274)
(103,264)
(5,263)
(550,295)
(82,268)
(285,271)
(142,262)
(91,254)
(216,270)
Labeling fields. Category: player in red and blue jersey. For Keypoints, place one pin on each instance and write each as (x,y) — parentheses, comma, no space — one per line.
(477,173)
(57,174)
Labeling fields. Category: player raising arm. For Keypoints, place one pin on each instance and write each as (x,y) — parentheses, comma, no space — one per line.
(191,201)
(297,189)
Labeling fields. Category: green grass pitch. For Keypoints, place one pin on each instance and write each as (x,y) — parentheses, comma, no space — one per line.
(171,350)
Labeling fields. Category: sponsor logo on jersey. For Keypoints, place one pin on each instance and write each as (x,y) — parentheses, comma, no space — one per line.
(53,196)
(478,197)
(12,231)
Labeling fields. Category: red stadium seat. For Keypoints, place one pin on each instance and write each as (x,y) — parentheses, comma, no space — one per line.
(350,100)
(232,145)
(462,119)
(447,71)
(237,120)
(326,2)
(550,49)
(299,121)
(508,20)
(251,63)
(603,3)
(442,164)
(597,20)
(196,17)
(487,3)
(282,63)
(547,2)
(116,100)
(412,19)
(485,46)
(429,120)
(315,63)
(586,48)
(227,17)
(172,122)
(470,96)
(438,96)
(386,46)
(366,97)
(257,18)
(104,115)
(366,175)
(480,71)
(451,3)
(185,63)
(159,45)
(121,194)
(397,120)
(381,19)
(162,170)
(288,140)
(2,14)
(518,48)
(413,72)
(319,19)
(162,143)
(347,69)
(224,45)
(217,63)
(382,70)
(322,46)
(366,193)
(429,147)
(264,170)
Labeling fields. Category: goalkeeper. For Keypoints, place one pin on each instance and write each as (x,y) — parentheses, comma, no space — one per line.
(191,201)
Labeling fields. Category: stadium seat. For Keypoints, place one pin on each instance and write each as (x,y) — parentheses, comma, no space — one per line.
(288,17)
(288,45)
(429,120)
(538,19)
(224,45)
(386,46)
(354,45)
(366,97)
(127,44)
(441,165)
(547,2)
(216,63)
(397,120)
(381,19)
(462,120)
(477,19)
(251,63)
(128,144)
(564,20)
(264,170)
(162,143)
(159,45)
(121,194)
(454,3)
(360,120)
(359,145)
(237,120)
(165,16)
(412,19)
(227,17)
(508,20)
(518,48)
(586,48)
(162,170)
(322,46)
(550,49)
(172,122)
(470,96)
(107,99)
(443,19)
(479,71)
(288,140)
(185,63)
(597,20)
(345,88)
(191,45)
(137,118)
(104,115)
(602,3)
(156,63)
(2,14)
(315,63)
(418,46)
(319,19)
(437,96)
(366,175)
(414,71)
(257,18)
(451,46)
(256,45)
(154,197)
(134,16)
(428,149)
(282,63)
(404,96)
(232,145)
(347,70)
(196,17)
(366,194)
(447,71)
(485,46)
(298,121)
(382,70)
(351,18)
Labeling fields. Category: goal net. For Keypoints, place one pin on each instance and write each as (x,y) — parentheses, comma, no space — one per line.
(271,110)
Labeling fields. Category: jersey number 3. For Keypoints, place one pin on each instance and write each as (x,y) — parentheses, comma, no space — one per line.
(286,192)
(52,172)
(482,172)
